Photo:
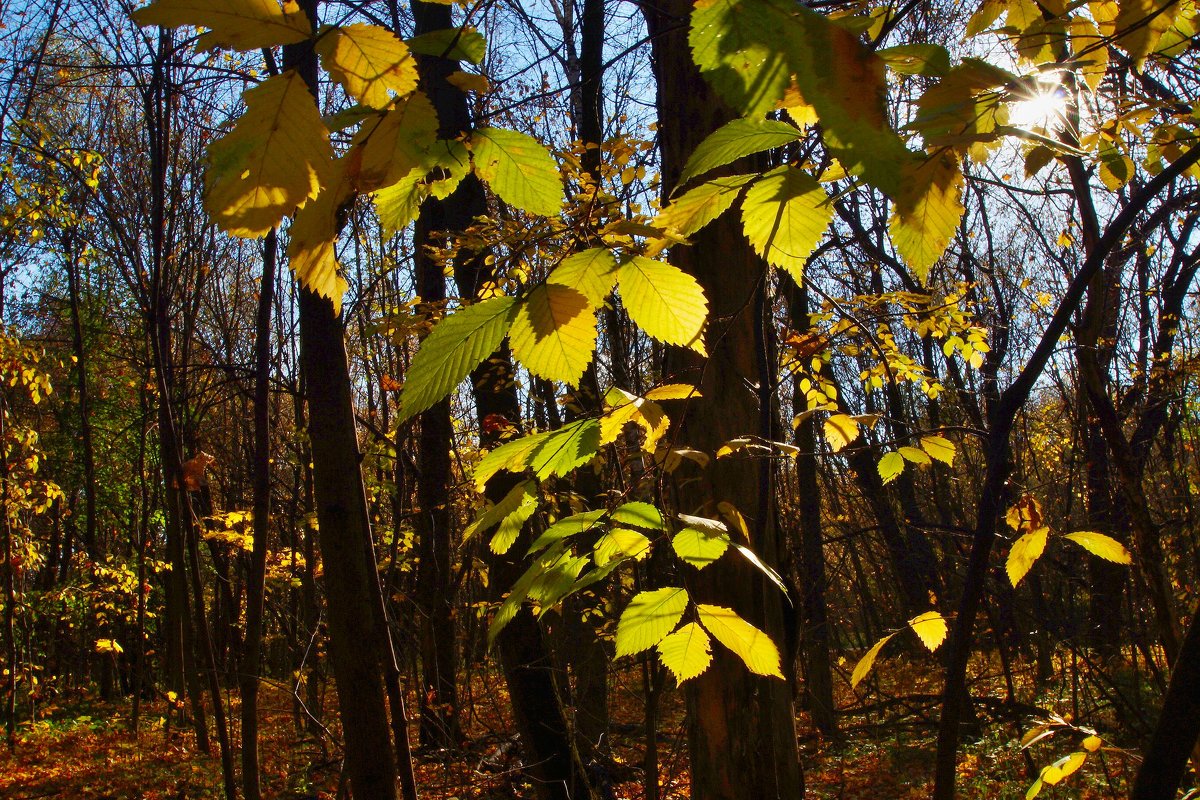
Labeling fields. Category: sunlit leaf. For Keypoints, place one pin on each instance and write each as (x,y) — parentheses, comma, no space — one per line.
(840,430)
(687,652)
(639,515)
(548,453)
(915,456)
(567,527)
(701,205)
(648,618)
(312,242)
(1092,743)
(368,61)
(784,215)
(456,44)
(554,333)
(620,543)
(664,301)
(1064,767)
(1140,24)
(456,346)
(917,59)
(673,391)
(1100,545)
(734,140)
(1025,551)
(930,628)
(519,169)
(261,171)
(699,548)
(237,24)
(511,510)
(927,210)
(747,642)
(939,447)
(592,272)
(890,466)
(390,148)
(867,661)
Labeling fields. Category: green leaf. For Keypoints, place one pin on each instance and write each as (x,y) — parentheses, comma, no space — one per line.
(456,345)
(639,515)
(930,628)
(687,652)
(620,543)
(927,210)
(735,45)
(368,61)
(1100,545)
(648,618)
(592,272)
(442,167)
(867,661)
(700,206)
(664,301)
(399,204)
(260,171)
(748,643)
(554,333)
(567,527)
(548,453)
(456,44)
(1025,551)
(784,215)
(939,447)
(890,466)
(699,548)
(734,140)
(510,514)
(518,169)
(237,24)
(917,59)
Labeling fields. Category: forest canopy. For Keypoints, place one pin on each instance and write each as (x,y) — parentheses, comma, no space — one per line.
(581,399)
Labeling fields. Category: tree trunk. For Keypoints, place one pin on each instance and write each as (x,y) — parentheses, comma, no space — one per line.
(741,727)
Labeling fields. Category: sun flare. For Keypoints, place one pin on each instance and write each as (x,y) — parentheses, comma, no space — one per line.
(1041,108)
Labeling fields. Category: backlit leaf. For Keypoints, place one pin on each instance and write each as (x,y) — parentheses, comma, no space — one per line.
(1065,766)
(519,169)
(620,543)
(736,45)
(547,453)
(520,498)
(1140,24)
(930,628)
(639,515)
(927,210)
(748,643)
(456,346)
(456,44)
(664,301)
(890,466)
(840,430)
(1100,545)
(687,652)
(915,456)
(238,24)
(939,447)
(784,216)
(369,62)
(624,408)
(261,171)
(867,661)
(734,140)
(567,527)
(917,59)
(673,391)
(554,333)
(700,206)
(592,272)
(648,618)
(388,149)
(1025,551)
(312,242)
(699,548)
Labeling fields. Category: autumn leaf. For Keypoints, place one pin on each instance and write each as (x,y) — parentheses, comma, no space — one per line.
(1024,552)
(369,62)
(554,333)
(1100,545)
(237,24)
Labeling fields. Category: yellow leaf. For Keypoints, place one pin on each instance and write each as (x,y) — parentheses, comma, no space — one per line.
(930,628)
(312,244)
(687,652)
(592,272)
(1062,768)
(1141,23)
(388,148)
(1025,514)
(239,24)
(519,169)
(939,447)
(840,430)
(664,301)
(890,466)
(1092,743)
(554,333)
(368,61)
(915,456)
(1098,544)
(927,210)
(673,391)
(748,643)
(1024,552)
(625,408)
(867,661)
(784,215)
(698,207)
(469,82)
(620,543)
(276,158)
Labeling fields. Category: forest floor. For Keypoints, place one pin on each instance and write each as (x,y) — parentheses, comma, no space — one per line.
(83,749)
